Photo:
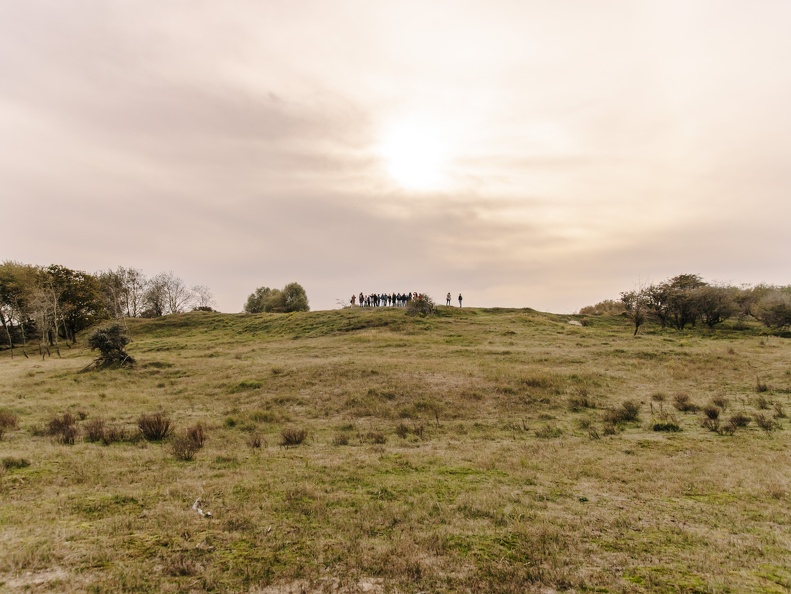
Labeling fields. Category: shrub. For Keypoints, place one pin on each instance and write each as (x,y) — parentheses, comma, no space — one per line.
(768,424)
(255,441)
(154,427)
(422,306)
(549,432)
(579,402)
(63,428)
(762,402)
(184,448)
(8,420)
(114,433)
(779,412)
(720,401)
(739,420)
(196,435)
(666,426)
(110,341)
(683,403)
(292,437)
(711,411)
(710,424)
(10,463)
(94,430)
(626,412)
(340,439)
(374,437)
(760,385)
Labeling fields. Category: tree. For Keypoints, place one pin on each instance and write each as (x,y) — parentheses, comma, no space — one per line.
(203,298)
(672,301)
(636,303)
(79,301)
(123,290)
(774,309)
(291,298)
(295,298)
(17,285)
(714,304)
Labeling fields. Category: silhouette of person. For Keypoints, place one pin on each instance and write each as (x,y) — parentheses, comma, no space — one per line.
(447,299)
(459,299)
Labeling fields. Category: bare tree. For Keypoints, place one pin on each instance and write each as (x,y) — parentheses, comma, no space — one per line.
(203,297)
(177,296)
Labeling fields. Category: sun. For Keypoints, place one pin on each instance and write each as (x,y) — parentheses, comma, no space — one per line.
(415,156)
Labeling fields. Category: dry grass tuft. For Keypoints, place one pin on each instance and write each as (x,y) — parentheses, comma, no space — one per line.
(154,427)
(292,437)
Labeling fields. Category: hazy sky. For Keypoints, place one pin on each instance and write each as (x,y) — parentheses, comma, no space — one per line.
(526,153)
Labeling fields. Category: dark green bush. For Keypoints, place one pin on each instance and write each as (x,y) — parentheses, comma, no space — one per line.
(110,342)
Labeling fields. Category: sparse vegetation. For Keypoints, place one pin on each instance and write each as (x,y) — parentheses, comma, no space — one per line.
(456,452)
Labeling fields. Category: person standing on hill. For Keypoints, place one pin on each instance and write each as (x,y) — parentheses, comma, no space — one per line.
(447,299)
(459,299)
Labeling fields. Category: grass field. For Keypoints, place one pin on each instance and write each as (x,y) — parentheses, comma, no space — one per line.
(480,450)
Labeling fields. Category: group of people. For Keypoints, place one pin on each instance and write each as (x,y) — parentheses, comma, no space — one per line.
(390,299)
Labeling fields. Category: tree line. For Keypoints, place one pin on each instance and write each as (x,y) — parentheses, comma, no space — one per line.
(52,304)
(686,300)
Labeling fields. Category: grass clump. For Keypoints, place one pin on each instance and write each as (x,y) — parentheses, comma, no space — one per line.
(11,463)
(549,432)
(292,437)
(669,426)
(154,427)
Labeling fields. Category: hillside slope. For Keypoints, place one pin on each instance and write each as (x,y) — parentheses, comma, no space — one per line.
(478,450)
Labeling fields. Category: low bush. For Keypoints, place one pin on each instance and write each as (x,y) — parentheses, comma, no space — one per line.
(63,429)
(115,433)
(373,437)
(579,402)
(711,411)
(154,427)
(720,401)
(739,420)
(683,403)
(779,412)
(94,430)
(762,402)
(255,441)
(8,420)
(184,448)
(628,411)
(291,437)
(760,385)
(340,439)
(766,423)
(10,463)
(422,306)
(197,435)
(669,426)
(549,432)
(710,424)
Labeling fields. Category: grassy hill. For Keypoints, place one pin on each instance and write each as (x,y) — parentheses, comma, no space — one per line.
(481,450)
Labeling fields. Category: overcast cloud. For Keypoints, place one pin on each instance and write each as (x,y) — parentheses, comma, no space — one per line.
(586,146)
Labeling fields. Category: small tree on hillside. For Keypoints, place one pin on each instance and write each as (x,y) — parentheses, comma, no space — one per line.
(110,342)
(291,298)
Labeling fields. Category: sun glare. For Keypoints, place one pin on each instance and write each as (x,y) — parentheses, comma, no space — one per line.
(415,156)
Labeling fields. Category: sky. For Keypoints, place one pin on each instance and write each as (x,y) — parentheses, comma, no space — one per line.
(524,153)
